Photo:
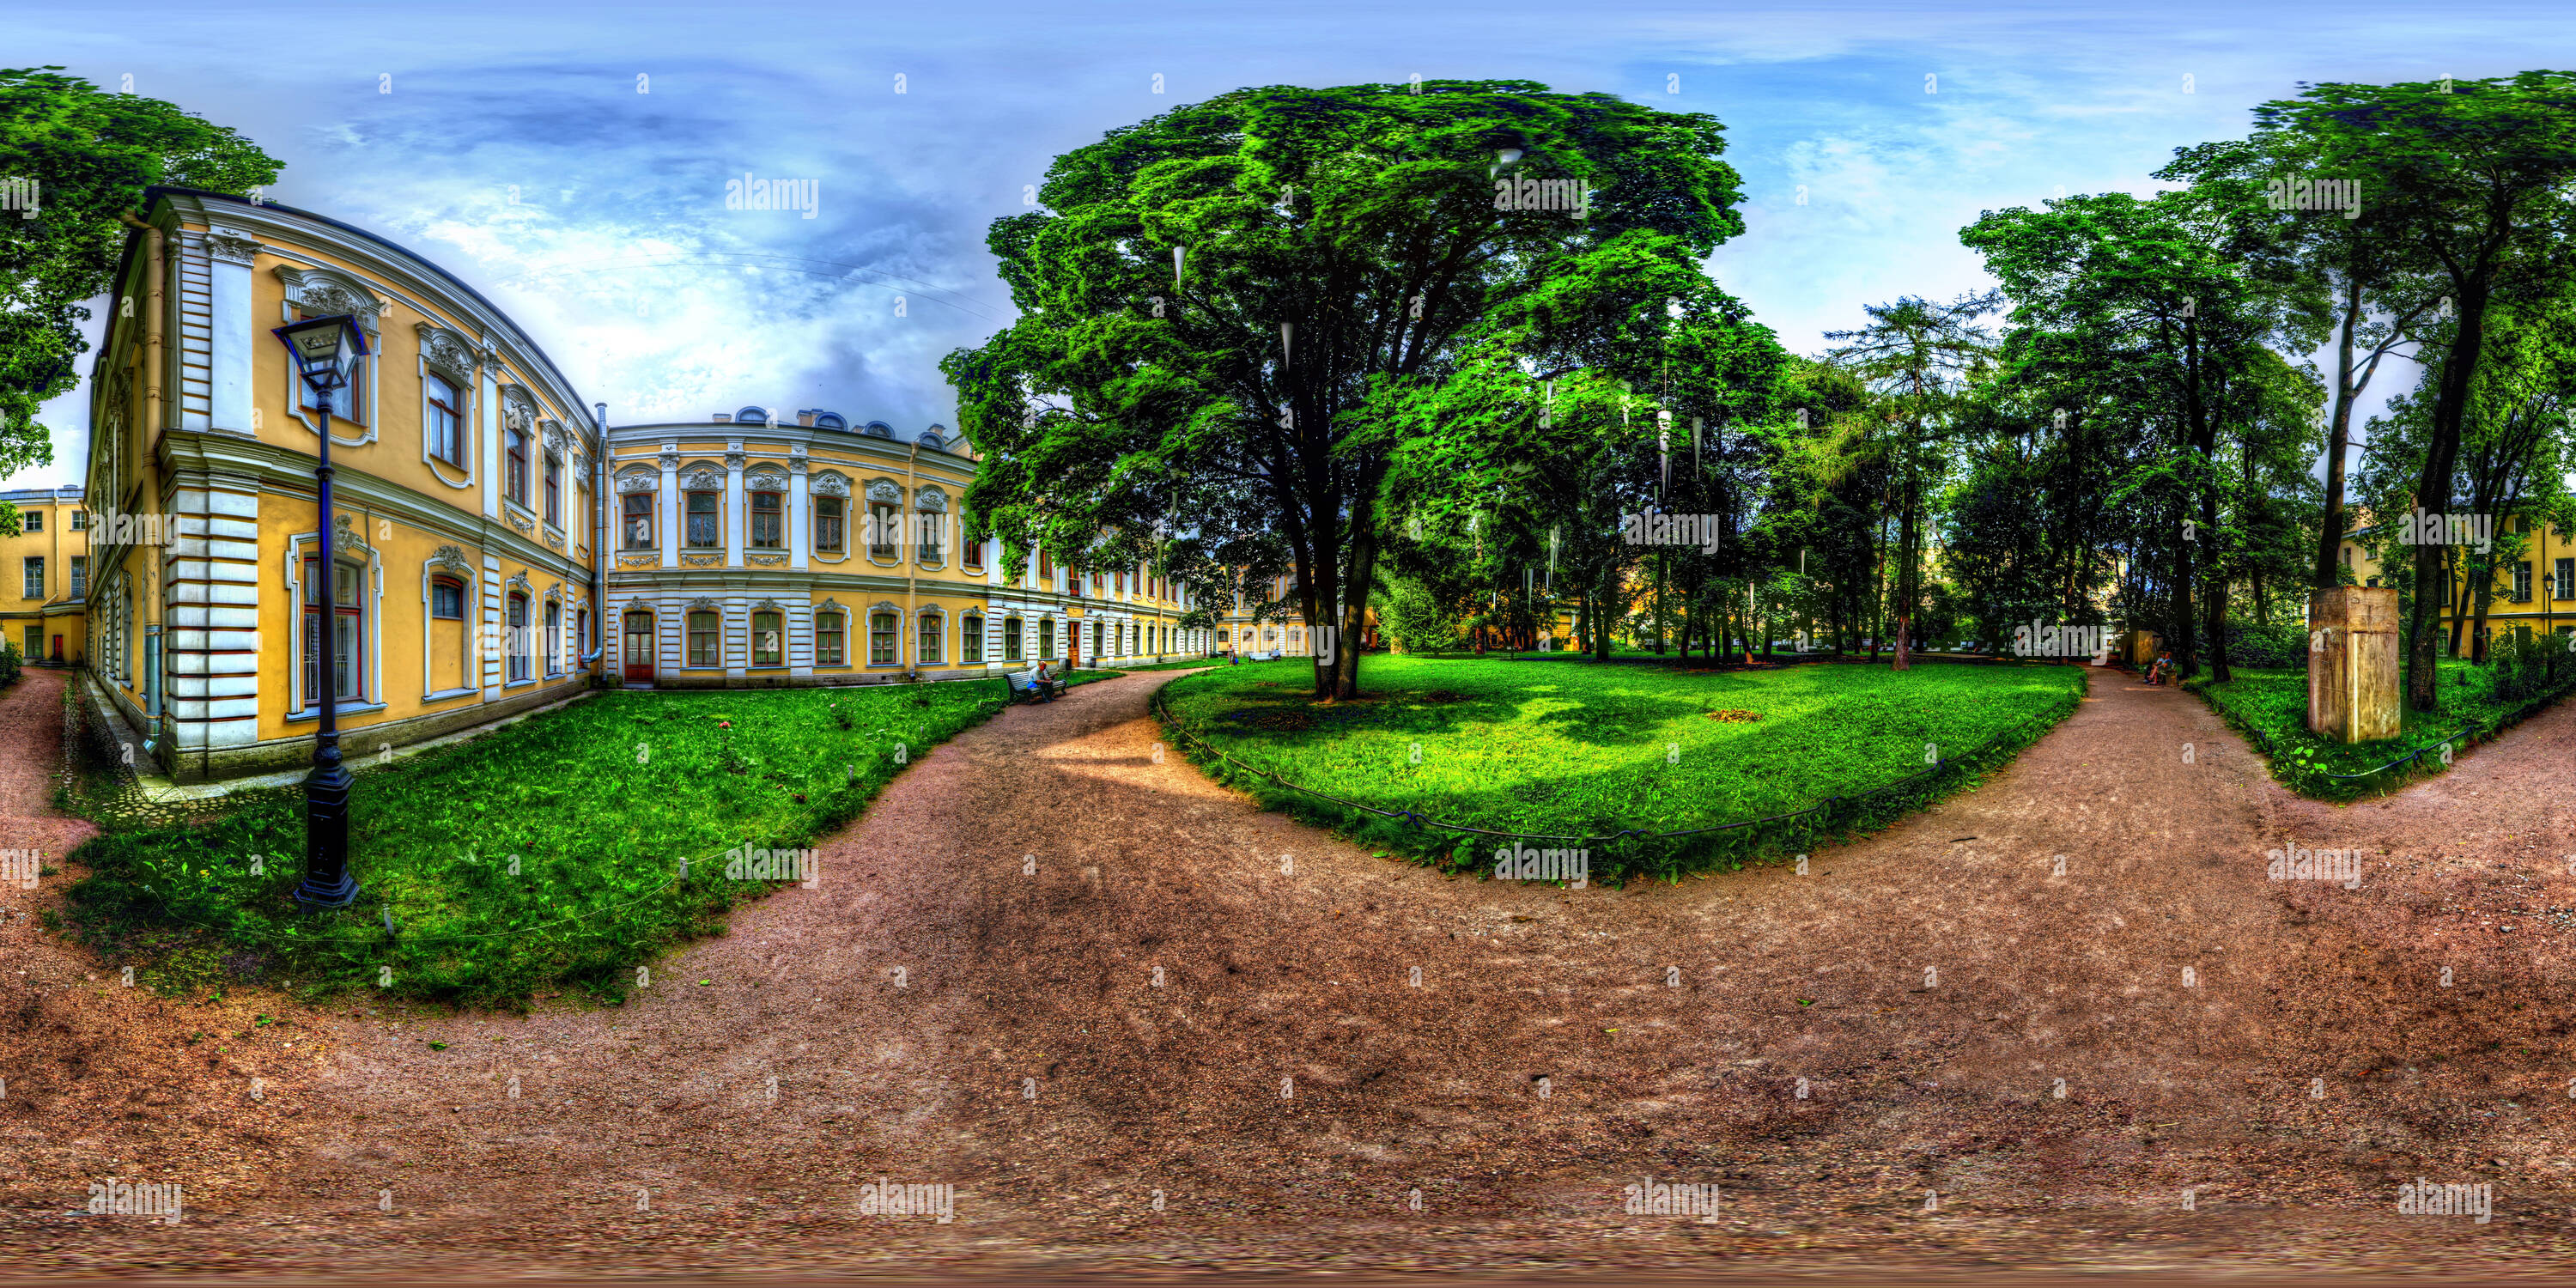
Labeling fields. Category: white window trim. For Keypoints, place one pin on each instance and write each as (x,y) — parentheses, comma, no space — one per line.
(469,657)
(371,623)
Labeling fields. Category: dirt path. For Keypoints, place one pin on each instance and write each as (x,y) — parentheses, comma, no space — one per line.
(970,997)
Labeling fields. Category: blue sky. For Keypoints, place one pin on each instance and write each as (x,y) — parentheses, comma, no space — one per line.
(514,148)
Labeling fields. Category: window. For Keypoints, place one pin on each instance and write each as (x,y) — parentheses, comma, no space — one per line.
(80,576)
(347,633)
(554,490)
(445,429)
(1046,570)
(881,531)
(1095,638)
(765,522)
(1046,639)
(32,578)
(827,641)
(2522,582)
(881,639)
(702,639)
(974,556)
(522,661)
(518,471)
(702,520)
(447,599)
(827,525)
(554,638)
(934,537)
(970,638)
(931,630)
(2566,579)
(581,634)
(32,520)
(349,401)
(636,523)
(1010,639)
(768,639)
(80,520)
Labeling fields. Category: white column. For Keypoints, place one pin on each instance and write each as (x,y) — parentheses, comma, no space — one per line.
(799,538)
(671,505)
(490,400)
(734,516)
(232,335)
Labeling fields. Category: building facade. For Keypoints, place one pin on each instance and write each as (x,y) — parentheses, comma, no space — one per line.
(496,545)
(2534,591)
(46,571)
(462,585)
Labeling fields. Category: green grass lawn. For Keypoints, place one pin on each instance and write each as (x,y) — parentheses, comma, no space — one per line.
(2275,704)
(1578,748)
(543,854)
(1186,665)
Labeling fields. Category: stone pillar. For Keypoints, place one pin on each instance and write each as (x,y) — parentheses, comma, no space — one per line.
(735,519)
(800,524)
(2353,656)
(672,505)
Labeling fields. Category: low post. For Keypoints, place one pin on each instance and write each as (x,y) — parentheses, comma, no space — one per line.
(2353,663)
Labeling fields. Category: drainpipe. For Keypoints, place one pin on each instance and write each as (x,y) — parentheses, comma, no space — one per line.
(149,433)
(599,499)
(911,626)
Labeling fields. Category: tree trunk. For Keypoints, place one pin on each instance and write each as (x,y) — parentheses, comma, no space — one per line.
(2433,493)
(2338,440)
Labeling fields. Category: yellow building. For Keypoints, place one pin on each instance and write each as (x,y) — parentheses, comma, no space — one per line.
(47,571)
(487,521)
(2534,593)
(464,522)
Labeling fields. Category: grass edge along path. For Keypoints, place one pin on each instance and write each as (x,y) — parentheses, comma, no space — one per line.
(1452,846)
(178,902)
(2306,764)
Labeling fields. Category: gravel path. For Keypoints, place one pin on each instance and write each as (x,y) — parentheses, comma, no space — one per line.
(970,997)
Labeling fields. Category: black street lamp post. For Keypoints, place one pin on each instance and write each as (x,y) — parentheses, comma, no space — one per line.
(326,351)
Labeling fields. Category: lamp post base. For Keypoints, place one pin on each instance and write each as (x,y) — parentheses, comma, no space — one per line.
(327,883)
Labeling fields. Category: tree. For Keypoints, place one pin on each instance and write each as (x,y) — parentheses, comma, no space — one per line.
(2471,179)
(1919,357)
(1232,315)
(91,155)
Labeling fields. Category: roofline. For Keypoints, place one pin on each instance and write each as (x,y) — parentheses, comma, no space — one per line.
(153,195)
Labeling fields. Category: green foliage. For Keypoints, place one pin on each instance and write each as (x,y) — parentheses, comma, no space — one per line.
(1417,619)
(13,664)
(92,154)
(596,804)
(2271,706)
(1569,747)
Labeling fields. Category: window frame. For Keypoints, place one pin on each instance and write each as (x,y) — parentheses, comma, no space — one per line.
(554,490)
(714,516)
(629,515)
(517,649)
(352,686)
(1012,645)
(830,513)
(450,584)
(514,473)
(776,654)
(771,506)
(931,638)
(444,425)
(970,639)
(713,635)
(885,637)
(831,627)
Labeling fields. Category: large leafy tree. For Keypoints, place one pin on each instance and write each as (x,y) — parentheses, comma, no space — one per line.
(91,154)
(1233,315)
(2470,180)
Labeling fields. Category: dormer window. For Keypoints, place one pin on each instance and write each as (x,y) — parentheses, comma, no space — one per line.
(831,420)
(752,416)
(878,429)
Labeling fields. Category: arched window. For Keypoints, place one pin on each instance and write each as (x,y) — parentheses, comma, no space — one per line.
(753,415)
(554,638)
(827,525)
(827,640)
(831,420)
(932,627)
(521,664)
(518,469)
(703,650)
(970,638)
(881,639)
(933,441)
(767,528)
(445,430)
(705,509)
(768,639)
(1010,639)
(879,429)
(1046,639)
(636,522)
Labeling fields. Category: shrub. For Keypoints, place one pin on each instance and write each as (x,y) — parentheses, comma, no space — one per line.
(12,664)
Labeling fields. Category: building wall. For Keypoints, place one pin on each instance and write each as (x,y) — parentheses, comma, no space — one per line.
(48,625)
(2549,559)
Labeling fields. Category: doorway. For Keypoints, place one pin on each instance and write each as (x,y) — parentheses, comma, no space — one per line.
(638,653)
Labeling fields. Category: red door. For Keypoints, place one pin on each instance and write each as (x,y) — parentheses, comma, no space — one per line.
(58,648)
(638,653)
